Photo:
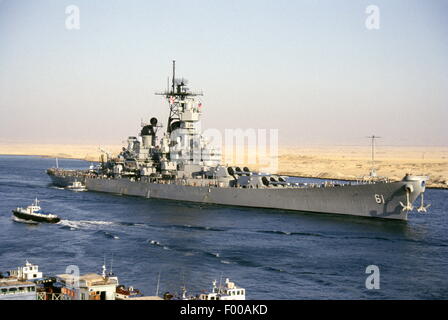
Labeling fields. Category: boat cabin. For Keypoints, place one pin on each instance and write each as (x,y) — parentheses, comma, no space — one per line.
(229,292)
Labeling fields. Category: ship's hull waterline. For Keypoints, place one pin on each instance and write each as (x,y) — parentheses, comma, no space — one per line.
(378,200)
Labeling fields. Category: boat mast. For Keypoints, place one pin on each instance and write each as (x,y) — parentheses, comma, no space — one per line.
(104,268)
(111,264)
(158,283)
(220,282)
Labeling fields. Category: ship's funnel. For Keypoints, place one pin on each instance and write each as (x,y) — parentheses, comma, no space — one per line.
(148,134)
(131,143)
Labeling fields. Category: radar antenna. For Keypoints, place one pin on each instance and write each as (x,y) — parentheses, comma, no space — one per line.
(176,98)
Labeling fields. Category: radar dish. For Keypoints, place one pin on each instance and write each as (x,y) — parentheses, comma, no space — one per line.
(181,81)
(175,125)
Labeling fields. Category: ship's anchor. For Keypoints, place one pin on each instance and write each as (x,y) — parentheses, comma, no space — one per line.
(422,207)
(408,206)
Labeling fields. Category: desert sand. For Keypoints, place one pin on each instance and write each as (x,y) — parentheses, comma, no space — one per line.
(333,162)
(68,151)
(353,162)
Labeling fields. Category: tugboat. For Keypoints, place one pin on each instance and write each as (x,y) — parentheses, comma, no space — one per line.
(77,186)
(35,213)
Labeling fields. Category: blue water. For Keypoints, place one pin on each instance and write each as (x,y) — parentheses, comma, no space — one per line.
(274,254)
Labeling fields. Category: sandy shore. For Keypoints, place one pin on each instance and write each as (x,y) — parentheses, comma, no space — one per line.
(354,162)
(68,151)
(334,162)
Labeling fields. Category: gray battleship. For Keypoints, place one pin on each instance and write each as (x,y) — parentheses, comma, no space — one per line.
(183,166)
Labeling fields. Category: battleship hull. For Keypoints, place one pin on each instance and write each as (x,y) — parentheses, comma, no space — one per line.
(185,166)
(378,200)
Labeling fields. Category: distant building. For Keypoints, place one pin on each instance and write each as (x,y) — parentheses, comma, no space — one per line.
(27,283)
(11,289)
(16,284)
(28,272)
(90,286)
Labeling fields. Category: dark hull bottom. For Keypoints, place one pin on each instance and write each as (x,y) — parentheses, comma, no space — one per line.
(24,216)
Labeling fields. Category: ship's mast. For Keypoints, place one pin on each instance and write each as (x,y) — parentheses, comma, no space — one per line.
(176,99)
(174,112)
(158,284)
(174,75)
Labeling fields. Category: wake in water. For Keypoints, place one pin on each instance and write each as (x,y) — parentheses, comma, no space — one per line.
(89,225)
(157,243)
(287,233)
(57,188)
(83,224)
(200,228)
(109,235)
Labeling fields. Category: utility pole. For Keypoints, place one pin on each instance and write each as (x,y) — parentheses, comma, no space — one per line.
(373,170)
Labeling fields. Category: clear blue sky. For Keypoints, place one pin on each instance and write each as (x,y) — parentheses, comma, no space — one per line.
(309,68)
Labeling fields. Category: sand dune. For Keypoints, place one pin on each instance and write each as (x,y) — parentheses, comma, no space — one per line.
(334,162)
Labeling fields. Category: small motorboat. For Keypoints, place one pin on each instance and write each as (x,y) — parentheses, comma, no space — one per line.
(77,186)
(34,213)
